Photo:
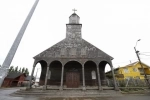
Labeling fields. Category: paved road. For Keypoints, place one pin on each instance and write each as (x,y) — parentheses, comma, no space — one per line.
(4,95)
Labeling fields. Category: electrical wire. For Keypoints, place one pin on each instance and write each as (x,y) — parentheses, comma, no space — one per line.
(144,54)
(133,60)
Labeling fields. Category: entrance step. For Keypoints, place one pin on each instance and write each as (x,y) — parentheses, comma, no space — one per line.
(67,93)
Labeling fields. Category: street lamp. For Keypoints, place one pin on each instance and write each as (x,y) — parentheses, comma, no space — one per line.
(137,53)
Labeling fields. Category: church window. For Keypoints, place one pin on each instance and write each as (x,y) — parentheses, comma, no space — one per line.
(83,51)
(63,50)
(93,73)
(73,51)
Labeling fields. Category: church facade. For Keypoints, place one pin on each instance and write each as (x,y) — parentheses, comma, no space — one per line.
(73,62)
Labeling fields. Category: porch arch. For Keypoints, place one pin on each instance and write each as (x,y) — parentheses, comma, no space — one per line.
(102,68)
(75,68)
(43,64)
(54,76)
(89,68)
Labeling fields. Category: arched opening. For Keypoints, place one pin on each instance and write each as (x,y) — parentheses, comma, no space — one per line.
(43,72)
(54,75)
(72,74)
(91,78)
(102,70)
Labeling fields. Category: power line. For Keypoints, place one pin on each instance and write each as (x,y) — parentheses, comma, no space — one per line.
(133,60)
(145,58)
(144,54)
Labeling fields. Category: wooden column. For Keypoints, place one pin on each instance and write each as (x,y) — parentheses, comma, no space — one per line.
(83,78)
(115,85)
(62,76)
(29,85)
(99,80)
(45,85)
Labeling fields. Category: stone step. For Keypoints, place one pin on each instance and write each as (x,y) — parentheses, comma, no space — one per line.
(60,92)
(66,93)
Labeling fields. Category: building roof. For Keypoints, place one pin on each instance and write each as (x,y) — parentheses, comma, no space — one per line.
(28,78)
(129,65)
(92,51)
(134,63)
(74,14)
(14,75)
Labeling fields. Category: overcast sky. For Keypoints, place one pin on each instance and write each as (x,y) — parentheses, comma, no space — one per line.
(113,26)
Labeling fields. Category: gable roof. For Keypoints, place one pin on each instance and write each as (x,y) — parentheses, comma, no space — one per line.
(134,63)
(55,50)
(13,75)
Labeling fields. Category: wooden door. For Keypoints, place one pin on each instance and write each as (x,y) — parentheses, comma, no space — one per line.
(72,79)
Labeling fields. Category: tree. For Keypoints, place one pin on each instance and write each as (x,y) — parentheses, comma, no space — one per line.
(11,69)
(16,69)
(23,69)
(26,71)
(19,70)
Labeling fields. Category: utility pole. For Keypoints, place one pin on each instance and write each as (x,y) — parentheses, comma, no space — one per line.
(14,47)
(141,64)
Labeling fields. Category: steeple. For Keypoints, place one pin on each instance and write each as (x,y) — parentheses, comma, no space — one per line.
(74,27)
(74,18)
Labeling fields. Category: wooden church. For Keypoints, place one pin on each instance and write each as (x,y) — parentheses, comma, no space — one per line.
(73,63)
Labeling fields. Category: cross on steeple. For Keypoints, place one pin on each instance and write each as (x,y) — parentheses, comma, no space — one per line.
(74,10)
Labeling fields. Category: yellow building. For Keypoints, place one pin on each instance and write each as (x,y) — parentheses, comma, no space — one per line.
(133,70)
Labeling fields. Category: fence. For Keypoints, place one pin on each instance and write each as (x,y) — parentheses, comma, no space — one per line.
(129,83)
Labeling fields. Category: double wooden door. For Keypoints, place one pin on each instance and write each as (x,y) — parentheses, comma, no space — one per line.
(72,79)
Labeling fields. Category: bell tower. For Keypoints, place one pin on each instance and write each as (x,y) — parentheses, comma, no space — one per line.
(74,27)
